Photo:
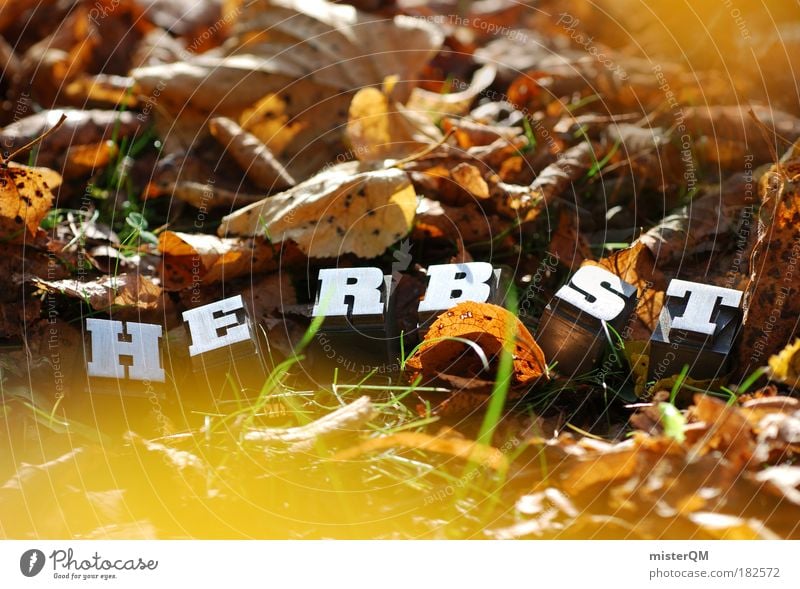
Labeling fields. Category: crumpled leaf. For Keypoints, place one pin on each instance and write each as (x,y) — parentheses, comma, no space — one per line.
(488,327)
(197,258)
(26,196)
(697,228)
(346,208)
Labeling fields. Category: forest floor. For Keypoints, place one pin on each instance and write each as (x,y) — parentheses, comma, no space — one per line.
(161,155)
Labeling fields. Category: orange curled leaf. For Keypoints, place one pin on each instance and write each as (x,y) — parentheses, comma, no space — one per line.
(443,350)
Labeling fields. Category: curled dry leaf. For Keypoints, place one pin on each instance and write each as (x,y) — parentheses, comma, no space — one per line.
(125,290)
(343,209)
(438,104)
(489,327)
(255,158)
(190,259)
(26,196)
(699,227)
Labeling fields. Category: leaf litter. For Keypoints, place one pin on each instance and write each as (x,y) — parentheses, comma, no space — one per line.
(238,147)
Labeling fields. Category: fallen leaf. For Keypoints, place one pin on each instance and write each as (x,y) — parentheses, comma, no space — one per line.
(728,430)
(102,294)
(255,158)
(81,127)
(488,327)
(438,104)
(555,179)
(785,365)
(379,128)
(346,208)
(26,196)
(772,299)
(312,55)
(470,179)
(196,258)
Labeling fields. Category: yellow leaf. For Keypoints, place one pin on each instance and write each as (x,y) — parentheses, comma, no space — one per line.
(785,365)
(343,209)
(25,198)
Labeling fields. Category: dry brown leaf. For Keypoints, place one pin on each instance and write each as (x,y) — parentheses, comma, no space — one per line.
(343,209)
(82,160)
(125,290)
(81,127)
(554,180)
(772,299)
(190,259)
(269,293)
(728,430)
(26,196)
(466,224)
(109,91)
(255,158)
(204,196)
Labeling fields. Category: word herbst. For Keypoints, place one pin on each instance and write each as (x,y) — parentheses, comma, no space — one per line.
(697,325)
